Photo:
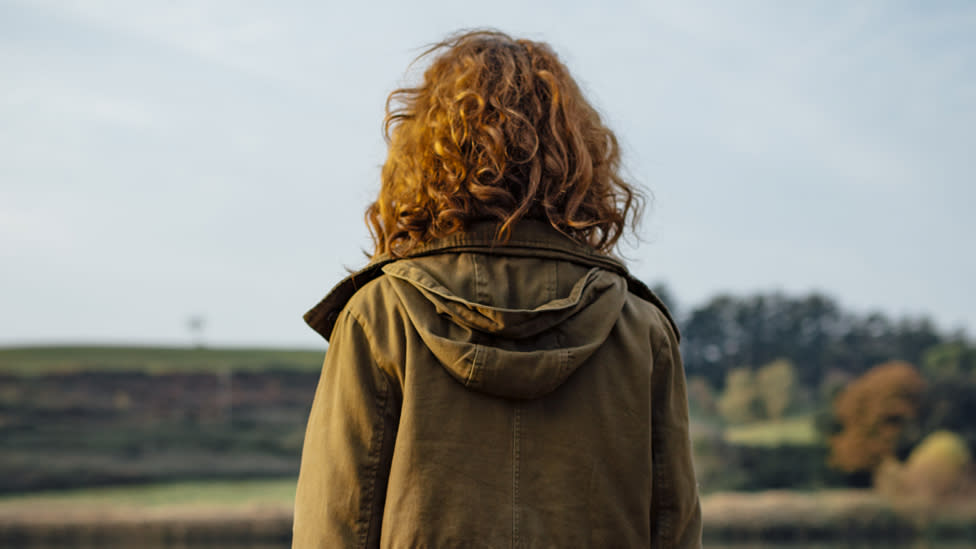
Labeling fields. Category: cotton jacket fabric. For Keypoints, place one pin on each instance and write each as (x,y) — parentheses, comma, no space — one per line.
(483,394)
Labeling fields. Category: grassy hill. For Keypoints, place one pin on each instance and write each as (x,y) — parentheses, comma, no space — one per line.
(41,360)
(88,416)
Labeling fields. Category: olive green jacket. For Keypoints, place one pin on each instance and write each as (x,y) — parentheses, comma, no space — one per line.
(476,394)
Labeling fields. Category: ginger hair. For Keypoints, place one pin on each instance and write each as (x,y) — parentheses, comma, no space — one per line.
(497,130)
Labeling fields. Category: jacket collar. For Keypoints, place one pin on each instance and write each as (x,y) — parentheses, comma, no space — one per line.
(529,238)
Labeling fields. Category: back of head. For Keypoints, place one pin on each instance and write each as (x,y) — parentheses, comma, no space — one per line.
(497,130)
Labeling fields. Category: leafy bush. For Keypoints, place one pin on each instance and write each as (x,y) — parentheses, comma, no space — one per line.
(872,411)
(938,470)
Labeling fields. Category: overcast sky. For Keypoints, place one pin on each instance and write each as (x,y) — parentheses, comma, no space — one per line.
(165,159)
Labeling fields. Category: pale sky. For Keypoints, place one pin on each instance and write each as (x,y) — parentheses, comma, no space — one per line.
(165,159)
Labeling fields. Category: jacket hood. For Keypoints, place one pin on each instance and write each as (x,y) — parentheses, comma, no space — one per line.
(510,340)
(518,332)
(530,239)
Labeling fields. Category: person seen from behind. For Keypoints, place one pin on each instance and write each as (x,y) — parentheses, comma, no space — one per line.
(495,376)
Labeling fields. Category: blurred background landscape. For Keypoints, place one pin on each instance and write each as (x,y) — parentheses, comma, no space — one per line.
(179,182)
(810,423)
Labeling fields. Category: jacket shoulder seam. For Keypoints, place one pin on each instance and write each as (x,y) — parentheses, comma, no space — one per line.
(367,510)
(383,365)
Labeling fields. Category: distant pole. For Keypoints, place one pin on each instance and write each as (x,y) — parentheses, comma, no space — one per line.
(196,324)
(225,395)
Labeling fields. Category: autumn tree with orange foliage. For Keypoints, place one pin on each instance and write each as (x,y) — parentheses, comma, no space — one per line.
(872,411)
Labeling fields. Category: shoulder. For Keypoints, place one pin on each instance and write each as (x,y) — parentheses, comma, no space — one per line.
(323,316)
(655,317)
(372,316)
(642,297)
(373,301)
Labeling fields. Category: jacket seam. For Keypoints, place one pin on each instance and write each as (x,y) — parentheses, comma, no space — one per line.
(373,471)
(480,291)
(572,299)
(479,238)
(525,244)
(374,457)
(567,359)
(563,357)
(662,485)
(474,366)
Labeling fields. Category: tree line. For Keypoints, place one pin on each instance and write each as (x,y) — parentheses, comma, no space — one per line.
(815,333)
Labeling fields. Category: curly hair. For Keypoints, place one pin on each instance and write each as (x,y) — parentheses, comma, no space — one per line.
(498,130)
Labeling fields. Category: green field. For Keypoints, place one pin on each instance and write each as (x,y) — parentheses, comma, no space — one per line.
(798,430)
(30,361)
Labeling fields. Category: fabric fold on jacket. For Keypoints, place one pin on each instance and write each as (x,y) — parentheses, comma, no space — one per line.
(506,352)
